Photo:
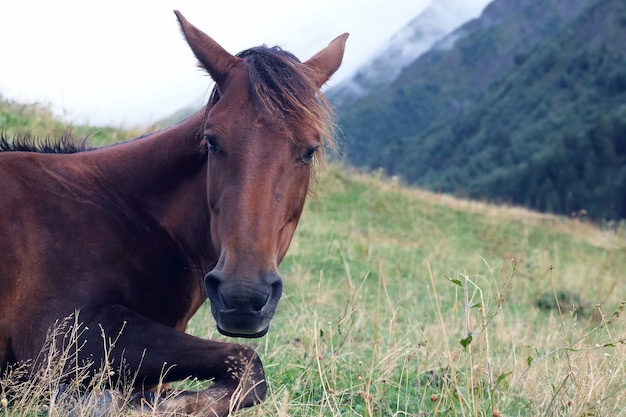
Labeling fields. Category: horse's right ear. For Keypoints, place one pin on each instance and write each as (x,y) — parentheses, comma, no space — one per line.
(215,59)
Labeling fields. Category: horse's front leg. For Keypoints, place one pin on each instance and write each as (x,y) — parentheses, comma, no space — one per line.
(156,354)
(241,384)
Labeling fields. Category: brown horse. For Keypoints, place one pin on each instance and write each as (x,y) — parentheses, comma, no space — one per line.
(134,236)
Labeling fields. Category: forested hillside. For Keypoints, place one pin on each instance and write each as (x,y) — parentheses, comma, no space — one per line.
(525,105)
(436,21)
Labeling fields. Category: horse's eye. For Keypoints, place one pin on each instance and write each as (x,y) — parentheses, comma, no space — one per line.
(309,154)
(211,143)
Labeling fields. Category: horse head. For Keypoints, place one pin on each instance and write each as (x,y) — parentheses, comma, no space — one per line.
(265,125)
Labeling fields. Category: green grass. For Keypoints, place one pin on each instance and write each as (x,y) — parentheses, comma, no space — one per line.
(400,302)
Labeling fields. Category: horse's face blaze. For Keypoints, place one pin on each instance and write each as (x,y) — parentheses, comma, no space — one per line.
(263,127)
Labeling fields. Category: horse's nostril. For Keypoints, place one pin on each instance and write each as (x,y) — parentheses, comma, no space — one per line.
(277,287)
(212,283)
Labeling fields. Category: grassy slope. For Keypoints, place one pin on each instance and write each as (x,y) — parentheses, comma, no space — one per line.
(39,121)
(383,285)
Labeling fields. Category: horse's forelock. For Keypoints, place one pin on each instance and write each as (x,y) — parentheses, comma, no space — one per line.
(285,89)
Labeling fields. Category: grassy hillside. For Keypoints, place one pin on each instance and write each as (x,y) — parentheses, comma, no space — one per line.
(402,302)
(38,120)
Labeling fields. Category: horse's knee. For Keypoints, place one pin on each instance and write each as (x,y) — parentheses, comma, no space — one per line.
(245,372)
(259,387)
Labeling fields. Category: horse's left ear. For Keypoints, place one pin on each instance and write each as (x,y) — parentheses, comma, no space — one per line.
(215,59)
(327,61)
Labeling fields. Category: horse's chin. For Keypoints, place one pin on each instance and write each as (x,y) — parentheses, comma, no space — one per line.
(246,335)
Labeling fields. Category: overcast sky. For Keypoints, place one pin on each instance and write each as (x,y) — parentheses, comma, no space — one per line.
(124,62)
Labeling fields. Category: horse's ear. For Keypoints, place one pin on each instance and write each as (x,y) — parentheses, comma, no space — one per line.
(215,59)
(327,61)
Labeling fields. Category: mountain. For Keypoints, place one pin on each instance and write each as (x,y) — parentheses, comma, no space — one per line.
(438,19)
(526,104)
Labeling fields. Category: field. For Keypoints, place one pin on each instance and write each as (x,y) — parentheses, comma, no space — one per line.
(401,302)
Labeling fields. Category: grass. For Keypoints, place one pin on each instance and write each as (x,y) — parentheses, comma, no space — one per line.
(401,302)
(39,120)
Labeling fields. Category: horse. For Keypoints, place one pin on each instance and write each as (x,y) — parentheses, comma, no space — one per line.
(134,237)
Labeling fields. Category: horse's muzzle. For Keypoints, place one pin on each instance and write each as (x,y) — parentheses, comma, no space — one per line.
(243,307)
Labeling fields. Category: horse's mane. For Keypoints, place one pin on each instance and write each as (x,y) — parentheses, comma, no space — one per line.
(283,89)
(25,142)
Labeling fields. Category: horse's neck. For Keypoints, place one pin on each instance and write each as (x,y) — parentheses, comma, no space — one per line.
(162,176)
(151,165)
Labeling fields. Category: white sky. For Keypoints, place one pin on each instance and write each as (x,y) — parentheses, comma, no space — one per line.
(124,62)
